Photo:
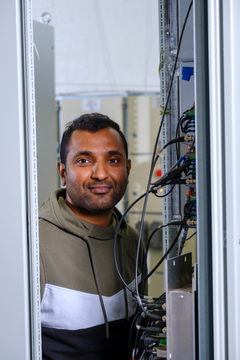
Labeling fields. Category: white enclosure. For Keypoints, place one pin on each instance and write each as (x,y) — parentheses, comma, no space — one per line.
(126,60)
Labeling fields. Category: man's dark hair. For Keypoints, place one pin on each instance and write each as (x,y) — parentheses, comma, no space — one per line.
(92,122)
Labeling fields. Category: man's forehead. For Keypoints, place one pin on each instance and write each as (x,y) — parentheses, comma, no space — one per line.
(88,140)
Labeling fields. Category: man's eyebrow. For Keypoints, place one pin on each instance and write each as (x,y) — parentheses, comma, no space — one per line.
(83,153)
(90,153)
(115,152)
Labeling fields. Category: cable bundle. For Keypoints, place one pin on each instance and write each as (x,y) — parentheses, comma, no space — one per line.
(148,326)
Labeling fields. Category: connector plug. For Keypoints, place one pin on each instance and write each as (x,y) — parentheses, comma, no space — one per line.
(190,181)
(192,223)
(188,138)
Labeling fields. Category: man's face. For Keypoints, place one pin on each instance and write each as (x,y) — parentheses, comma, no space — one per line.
(96,172)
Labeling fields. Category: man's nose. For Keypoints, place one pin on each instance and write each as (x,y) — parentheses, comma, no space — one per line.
(99,171)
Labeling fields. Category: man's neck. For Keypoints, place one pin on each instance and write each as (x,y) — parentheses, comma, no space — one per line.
(99,219)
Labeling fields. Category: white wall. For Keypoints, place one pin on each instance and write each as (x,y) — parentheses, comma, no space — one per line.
(105,45)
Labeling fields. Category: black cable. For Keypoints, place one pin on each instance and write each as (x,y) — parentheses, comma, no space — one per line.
(139,349)
(151,315)
(146,254)
(187,215)
(115,241)
(173,141)
(188,208)
(175,182)
(175,174)
(140,234)
(161,196)
(157,182)
(147,248)
(166,254)
(177,135)
(135,345)
(191,236)
(162,296)
(188,127)
(140,231)
(130,334)
(153,328)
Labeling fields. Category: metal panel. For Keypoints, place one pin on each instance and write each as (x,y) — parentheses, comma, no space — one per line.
(31,179)
(217,174)
(231,25)
(14,309)
(168,232)
(20,332)
(186,88)
(46,118)
(179,308)
(186,52)
(181,345)
(203,181)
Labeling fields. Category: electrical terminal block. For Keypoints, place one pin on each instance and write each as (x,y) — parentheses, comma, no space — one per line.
(191,195)
(189,114)
(192,156)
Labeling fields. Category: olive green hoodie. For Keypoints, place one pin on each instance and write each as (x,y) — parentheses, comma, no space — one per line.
(80,289)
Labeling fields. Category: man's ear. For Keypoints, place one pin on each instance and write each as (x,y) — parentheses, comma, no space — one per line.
(62,172)
(128,166)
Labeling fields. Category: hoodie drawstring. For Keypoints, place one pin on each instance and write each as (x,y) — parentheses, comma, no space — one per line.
(98,287)
(122,271)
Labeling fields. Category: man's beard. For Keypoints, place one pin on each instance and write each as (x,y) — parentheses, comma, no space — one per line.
(82,197)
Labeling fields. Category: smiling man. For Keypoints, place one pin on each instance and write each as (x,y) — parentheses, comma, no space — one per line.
(86,312)
(95,174)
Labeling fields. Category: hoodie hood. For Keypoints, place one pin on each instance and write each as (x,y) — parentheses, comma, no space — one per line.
(55,206)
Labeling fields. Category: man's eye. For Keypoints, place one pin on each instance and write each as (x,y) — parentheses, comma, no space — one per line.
(82,161)
(114,161)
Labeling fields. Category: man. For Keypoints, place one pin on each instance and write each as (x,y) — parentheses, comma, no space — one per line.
(85,309)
